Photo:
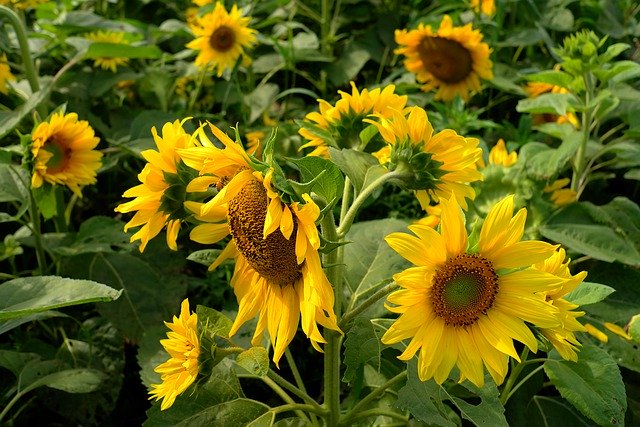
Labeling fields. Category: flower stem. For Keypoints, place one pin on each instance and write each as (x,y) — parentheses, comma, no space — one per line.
(380,293)
(375,394)
(297,407)
(524,380)
(284,396)
(580,166)
(513,377)
(293,389)
(36,229)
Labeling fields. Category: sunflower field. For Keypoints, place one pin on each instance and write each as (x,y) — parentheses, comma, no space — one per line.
(319,213)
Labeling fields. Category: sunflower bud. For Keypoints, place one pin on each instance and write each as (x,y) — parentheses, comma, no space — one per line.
(421,171)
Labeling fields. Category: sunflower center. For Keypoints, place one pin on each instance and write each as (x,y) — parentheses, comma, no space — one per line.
(60,155)
(274,258)
(463,289)
(222,39)
(446,59)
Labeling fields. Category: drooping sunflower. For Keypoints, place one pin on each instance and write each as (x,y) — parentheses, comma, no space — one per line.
(159,199)
(487,7)
(464,303)
(344,121)
(452,59)
(562,337)
(181,370)
(278,274)
(221,37)
(115,37)
(441,164)
(64,153)
(5,74)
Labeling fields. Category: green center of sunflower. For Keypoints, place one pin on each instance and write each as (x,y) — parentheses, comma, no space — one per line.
(447,60)
(274,258)
(222,39)
(60,155)
(463,289)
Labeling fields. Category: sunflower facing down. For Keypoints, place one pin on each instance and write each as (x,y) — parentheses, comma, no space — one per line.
(463,305)
(278,275)
(452,59)
(64,153)
(115,37)
(181,370)
(221,38)
(158,200)
(344,121)
(441,164)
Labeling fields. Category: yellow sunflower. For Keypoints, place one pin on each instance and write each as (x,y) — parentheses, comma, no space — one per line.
(64,153)
(344,121)
(449,161)
(452,59)
(562,336)
(561,196)
(158,200)
(487,7)
(254,142)
(464,304)
(22,4)
(221,38)
(115,37)
(535,89)
(5,74)
(181,370)
(499,155)
(278,275)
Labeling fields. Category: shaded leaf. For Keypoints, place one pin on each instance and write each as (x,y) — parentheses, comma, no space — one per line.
(589,293)
(362,346)
(254,360)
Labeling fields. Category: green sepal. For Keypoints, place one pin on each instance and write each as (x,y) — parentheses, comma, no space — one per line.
(45,197)
(328,246)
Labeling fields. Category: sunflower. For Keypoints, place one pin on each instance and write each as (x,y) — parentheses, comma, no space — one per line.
(487,7)
(535,89)
(22,4)
(158,200)
(562,337)
(344,121)
(499,155)
(114,37)
(278,275)
(254,142)
(464,304)
(64,153)
(181,370)
(221,38)
(5,74)
(442,163)
(561,196)
(453,59)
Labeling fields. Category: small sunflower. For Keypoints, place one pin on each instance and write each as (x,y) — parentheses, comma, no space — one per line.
(159,199)
(442,163)
(5,74)
(64,153)
(499,155)
(115,37)
(562,337)
(452,59)
(561,196)
(278,275)
(344,121)
(463,305)
(535,89)
(486,7)
(221,38)
(181,370)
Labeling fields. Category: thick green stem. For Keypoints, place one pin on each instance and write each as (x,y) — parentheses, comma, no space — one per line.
(284,396)
(293,389)
(580,166)
(21,34)
(297,407)
(34,213)
(521,383)
(375,394)
(380,293)
(513,376)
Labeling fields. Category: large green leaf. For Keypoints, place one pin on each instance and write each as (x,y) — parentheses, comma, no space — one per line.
(28,295)
(254,360)
(97,234)
(609,233)
(371,260)
(589,293)
(593,384)
(119,50)
(361,346)
(554,103)
(354,164)
(9,120)
(327,180)
(552,412)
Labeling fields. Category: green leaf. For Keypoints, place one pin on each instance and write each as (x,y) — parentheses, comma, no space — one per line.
(353,164)
(97,234)
(10,120)
(371,260)
(204,256)
(593,384)
(260,99)
(74,380)
(589,293)
(119,50)
(634,328)
(361,346)
(609,233)
(10,324)
(255,361)
(151,354)
(558,19)
(328,181)
(546,163)
(14,187)
(28,295)
(552,412)
(555,103)
(553,77)
(347,67)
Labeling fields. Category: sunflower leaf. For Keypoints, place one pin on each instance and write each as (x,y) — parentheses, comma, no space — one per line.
(354,164)
(593,384)
(254,360)
(327,179)
(589,293)
(362,346)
